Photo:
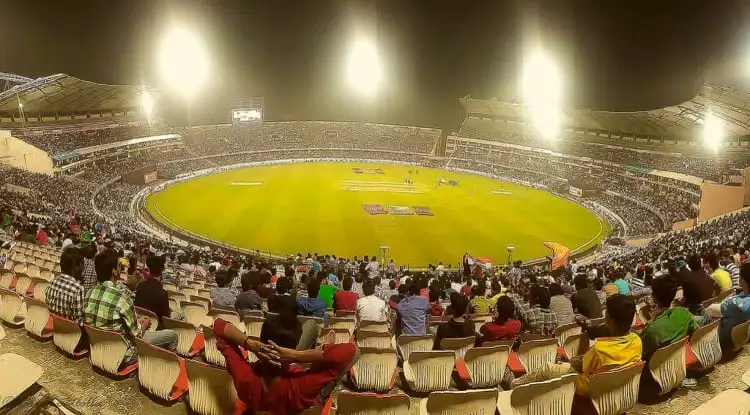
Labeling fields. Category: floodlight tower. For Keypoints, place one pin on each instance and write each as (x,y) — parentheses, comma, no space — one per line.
(713,131)
(183,63)
(542,88)
(364,70)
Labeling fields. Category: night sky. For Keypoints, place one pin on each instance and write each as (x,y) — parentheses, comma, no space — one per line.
(615,55)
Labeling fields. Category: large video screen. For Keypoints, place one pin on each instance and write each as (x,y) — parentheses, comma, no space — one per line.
(247,114)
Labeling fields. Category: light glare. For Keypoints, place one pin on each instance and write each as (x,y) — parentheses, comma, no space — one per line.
(183,61)
(364,70)
(147,102)
(542,87)
(713,131)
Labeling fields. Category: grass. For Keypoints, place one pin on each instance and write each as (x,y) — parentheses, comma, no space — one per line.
(306,208)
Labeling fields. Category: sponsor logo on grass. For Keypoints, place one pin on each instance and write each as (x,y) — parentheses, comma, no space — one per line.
(357,170)
(422,211)
(375,209)
(400,210)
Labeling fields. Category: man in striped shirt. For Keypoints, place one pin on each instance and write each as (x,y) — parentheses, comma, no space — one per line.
(727,262)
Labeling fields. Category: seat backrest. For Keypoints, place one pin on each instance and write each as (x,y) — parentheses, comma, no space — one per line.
(377,339)
(153,319)
(551,397)
(212,390)
(204,293)
(616,391)
(23,282)
(7,278)
(379,326)
(211,352)
(169,286)
(195,313)
(375,369)
(458,345)
(19,266)
(667,365)
(206,302)
(705,344)
(408,343)
(724,294)
(107,349)
(429,371)
(469,402)
(40,289)
(576,345)
(740,335)
(37,318)
(230,317)
(345,313)
(32,270)
(9,264)
(486,365)
(185,334)
(253,325)
(65,334)
(348,323)
(534,355)
(350,403)
(24,374)
(340,335)
(188,291)
(565,330)
(12,307)
(158,369)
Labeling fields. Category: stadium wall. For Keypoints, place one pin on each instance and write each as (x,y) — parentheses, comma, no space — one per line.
(18,153)
(685,224)
(746,179)
(717,199)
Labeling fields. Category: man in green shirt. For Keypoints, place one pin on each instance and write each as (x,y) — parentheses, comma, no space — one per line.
(327,290)
(668,324)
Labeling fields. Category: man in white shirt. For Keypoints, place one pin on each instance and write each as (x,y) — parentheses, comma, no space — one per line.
(370,307)
(372,268)
(456,284)
(441,269)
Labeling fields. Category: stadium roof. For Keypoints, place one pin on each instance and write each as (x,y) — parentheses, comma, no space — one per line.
(62,93)
(678,121)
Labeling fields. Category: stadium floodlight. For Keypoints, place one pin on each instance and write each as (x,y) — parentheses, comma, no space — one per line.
(183,61)
(364,69)
(713,131)
(147,102)
(542,88)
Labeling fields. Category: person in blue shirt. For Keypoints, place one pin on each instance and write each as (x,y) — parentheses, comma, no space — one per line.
(312,305)
(734,310)
(622,285)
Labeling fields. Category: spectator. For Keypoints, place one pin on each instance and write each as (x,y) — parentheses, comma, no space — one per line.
(249,298)
(623,288)
(413,312)
(370,307)
(480,304)
(283,286)
(312,305)
(346,300)
(372,268)
(599,290)
(504,327)
(722,279)
(459,325)
(697,286)
(402,293)
(392,290)
(538,318)
(107,308)
(89,273)
(327,290)
(584,300)
(734,310)
(610,288)
(668,324)
(222,296)
(65,294)
(150,294)
(41,236)
(560,305)
(436,308)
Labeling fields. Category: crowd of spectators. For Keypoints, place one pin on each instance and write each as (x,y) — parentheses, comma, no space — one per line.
(55,141)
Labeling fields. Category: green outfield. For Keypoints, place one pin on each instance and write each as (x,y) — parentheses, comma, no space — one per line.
(318,207)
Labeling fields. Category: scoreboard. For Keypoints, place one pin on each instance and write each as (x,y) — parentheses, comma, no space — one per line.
(244,110)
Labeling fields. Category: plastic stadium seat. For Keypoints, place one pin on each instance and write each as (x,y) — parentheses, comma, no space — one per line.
(211,352)
(534,355)
(433,327)
(740,335)
(67,335)
(229,316)
(378,326)
(161,372)
(551,397)
(197,285)
(746,378)
(168,286)
(212,390)
(46,273)
(108,351)
(480,319)
(349,403)
(377,339)
(195,314)
(576,345)
(565,330)
(188,291)
(38,319)
(704,348)
(206,302)
(204,293)
(408,343)
(153,319)
(616,392)
(730,401)
(40,289)
(12,308)
(7,279)
(347,323)
(340,335)
(19,266)
(458,345)
(375,370)
(253,325)
(469,402)
(724,294)
(667,365)
(318,320)
(2,332)
(24,285)
(345,313)
(25,373)
(32,270)
(251,313)
(189,341)
(483,367)
(9,264)
(429,371)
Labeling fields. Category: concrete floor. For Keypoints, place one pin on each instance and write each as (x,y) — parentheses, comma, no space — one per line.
(77,385)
